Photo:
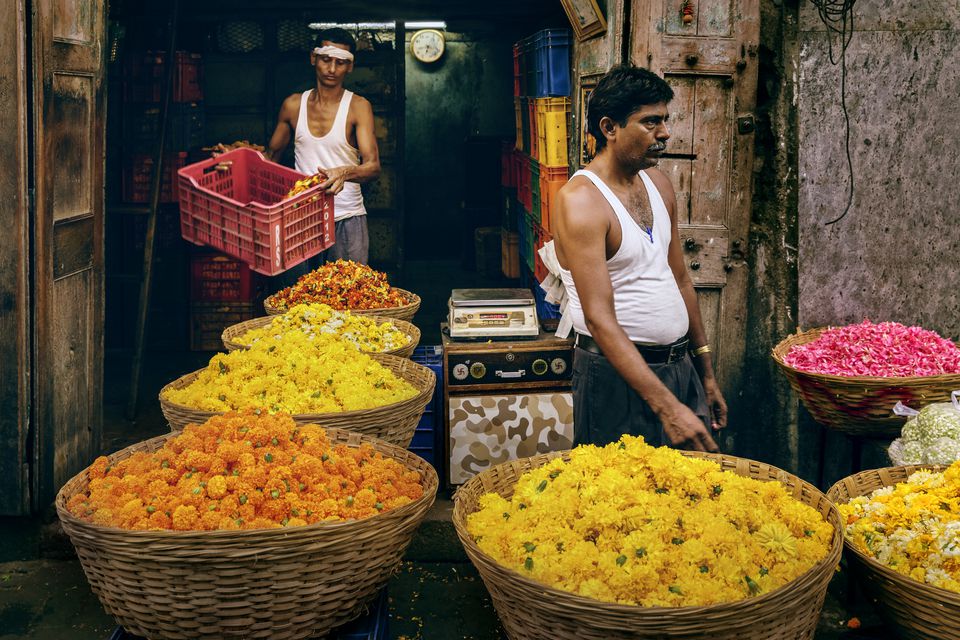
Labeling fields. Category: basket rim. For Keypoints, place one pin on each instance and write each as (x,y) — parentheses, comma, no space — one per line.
(412,299)
(832,557)
(429,480)
(405,327)
(315,417)
(872,563)
(812,334)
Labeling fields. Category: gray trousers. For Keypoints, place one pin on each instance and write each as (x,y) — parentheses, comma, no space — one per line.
(352,243)
(606,407)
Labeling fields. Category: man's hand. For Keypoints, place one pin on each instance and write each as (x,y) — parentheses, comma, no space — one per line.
(335,179)
(718,406)
(686,431)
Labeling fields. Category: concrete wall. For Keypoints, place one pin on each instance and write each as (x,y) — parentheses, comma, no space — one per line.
(895,255)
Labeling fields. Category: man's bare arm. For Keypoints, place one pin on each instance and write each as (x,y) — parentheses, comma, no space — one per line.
(696,333)
(286,125)
(581,234)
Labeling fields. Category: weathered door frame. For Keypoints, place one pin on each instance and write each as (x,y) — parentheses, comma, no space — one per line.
(67,45)
(14,263)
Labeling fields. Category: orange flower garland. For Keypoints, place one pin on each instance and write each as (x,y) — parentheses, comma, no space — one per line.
(244,470)
(343,284)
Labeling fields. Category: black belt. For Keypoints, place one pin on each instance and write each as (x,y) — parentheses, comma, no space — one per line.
(653,354)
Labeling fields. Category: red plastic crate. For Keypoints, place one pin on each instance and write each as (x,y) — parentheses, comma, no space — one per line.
(137,172)
(543,237)
(551,181)
(237,203)
(516,70)
(508,177)
(144,74)
(524,191)
(220,278)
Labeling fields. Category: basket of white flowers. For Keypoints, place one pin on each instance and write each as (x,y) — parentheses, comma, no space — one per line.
(930,436)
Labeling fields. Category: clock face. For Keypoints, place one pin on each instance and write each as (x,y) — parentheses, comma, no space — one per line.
(427,45)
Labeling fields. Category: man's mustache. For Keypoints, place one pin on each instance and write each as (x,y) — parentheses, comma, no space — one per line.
(660,146)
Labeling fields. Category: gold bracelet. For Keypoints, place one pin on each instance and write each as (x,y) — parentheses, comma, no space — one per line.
(699,351)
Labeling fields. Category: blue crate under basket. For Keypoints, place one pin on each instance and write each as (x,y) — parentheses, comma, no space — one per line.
(373,625)
(428,438)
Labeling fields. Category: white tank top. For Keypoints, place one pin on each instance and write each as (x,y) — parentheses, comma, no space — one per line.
(331,150)
(646,297)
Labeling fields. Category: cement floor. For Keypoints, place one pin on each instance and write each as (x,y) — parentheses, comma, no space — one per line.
(437,594)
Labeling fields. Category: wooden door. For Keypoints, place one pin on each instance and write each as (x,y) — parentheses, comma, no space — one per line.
(67,67)
(14,263)
(711,63)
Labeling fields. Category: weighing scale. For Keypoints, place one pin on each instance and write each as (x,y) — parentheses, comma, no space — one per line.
(492,314)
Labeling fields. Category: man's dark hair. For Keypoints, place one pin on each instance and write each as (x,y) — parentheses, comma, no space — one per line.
(621,91)
(335,35)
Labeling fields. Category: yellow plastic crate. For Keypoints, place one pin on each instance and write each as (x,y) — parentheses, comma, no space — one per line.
(552,116)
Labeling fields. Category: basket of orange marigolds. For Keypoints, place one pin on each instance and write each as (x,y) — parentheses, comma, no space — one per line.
(248,525)
(631,541)
(318,378)
(347,285)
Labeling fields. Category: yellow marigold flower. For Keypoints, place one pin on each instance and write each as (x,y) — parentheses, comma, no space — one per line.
(777,539)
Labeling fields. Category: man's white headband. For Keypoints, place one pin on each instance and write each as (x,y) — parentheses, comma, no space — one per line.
(333,52)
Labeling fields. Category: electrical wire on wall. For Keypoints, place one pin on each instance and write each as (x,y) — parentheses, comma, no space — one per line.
(837,15)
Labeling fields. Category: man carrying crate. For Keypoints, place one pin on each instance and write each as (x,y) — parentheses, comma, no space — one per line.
(642,364)
(333,134)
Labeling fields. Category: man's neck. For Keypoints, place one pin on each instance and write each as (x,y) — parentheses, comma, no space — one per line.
(612,172)
(328,94)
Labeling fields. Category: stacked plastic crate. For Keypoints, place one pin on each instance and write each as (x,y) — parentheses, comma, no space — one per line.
(537,167)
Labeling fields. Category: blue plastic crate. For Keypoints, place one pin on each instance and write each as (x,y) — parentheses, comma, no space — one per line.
(374,625)
(428,438)
(551,54)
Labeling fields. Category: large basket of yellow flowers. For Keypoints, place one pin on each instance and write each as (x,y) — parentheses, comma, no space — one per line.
(628,541)
(190,555)
(377,394)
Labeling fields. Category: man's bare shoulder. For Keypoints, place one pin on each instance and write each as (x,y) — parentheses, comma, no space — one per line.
(579,200)
(664,186)
(360,104)
(291,104)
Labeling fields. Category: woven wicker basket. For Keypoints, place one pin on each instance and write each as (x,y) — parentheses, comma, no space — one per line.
(533,611)
(394,423)
(920,611)
(231,333)
(405,311)
(296,582)
(860,405)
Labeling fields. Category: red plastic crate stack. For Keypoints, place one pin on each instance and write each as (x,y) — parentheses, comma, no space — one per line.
(238,203)
(543,237)
(218,278)
(137,175)
(144,74)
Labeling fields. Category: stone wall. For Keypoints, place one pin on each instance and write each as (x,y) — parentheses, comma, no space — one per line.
(896,253)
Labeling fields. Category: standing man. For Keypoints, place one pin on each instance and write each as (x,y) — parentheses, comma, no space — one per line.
(642,364)
(333,134)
